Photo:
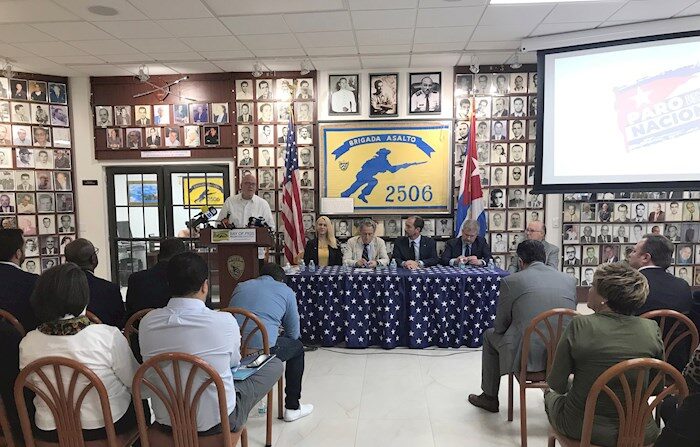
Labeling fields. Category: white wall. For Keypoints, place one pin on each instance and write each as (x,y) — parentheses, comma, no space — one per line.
(91,201)
(447,81)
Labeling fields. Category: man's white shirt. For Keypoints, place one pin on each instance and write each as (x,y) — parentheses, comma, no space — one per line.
(239,210)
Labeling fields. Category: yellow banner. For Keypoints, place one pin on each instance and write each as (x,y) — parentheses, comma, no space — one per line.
(388,167)
(200,191)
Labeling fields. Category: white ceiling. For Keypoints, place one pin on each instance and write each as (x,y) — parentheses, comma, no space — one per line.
(192,36)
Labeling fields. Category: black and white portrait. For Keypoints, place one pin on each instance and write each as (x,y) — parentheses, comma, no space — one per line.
(143,115)
(181,114)
(266,157)
(343,94)
(424,93)
(244,89)
(517,107)
(518,83)
(501,81)
(498,176)
(245,157)
(302,112)
(516,175)
(532,108)
(115,138)
(464,84)
(304,135)
(219,112)
(307,200)
(483,106)
(498,153)
(245,135)
(307,178)
(40,114)
(18,89)
(500,107)
(463,108)
(483,130)
(284,89)
(153,137)
(266,178)
(532,83)
(462,132)
(304,89)
(266,134)
(4,88)
(244,112)
(192,136)
(265,112)
(20,112)
(516,153)
(284,111)
(47,224)
(497,196)
(134,138)
(516,197)
(263,90)
(306,158)
(482,85)
(21,135)
(5,157)
(517,130)
(64,202)
(383,94)
(499,130)
(343,228)
(24,180)
(516,221)
(497,220)
(5,111)
(443,227)
(122,115)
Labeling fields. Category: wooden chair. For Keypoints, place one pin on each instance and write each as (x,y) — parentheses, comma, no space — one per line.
(64,396)
(674,334)
(550,335)
(131,325)
(92,317)
(181,400)
(5,315)
(635,409)
(6,436)
(246,350)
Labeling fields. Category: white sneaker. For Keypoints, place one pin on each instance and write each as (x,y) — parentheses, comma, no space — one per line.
(293,415)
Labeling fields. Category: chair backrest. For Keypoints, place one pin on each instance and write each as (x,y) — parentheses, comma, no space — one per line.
(5,315)
(6,437)
(131,326)
(256,326)
(180,398)
(63,395)
(675,327)
(92,317)
(549,334)
(634,410)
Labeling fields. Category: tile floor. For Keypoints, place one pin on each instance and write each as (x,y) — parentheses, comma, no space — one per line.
(400,398)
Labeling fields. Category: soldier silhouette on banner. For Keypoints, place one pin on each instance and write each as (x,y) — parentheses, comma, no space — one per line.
(367,174)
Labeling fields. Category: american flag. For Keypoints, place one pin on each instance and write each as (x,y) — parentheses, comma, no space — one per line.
(291,199)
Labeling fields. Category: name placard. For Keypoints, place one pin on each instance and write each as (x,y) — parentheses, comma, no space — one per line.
(235,236)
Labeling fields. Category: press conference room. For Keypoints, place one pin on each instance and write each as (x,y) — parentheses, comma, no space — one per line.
(415,223)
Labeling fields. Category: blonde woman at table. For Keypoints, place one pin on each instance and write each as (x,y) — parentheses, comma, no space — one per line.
(325,249)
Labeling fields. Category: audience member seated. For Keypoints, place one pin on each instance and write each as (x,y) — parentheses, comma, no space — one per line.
(105,298)
(149,288)
(325,249)
(468,249)
(683,430)
(695,309)
(415,251)
(16,285)
(536,231)
(59,301)
(366,250)
(593,343)
(271,300)
(9,353)
(652,255)
(536,288)
(186,325)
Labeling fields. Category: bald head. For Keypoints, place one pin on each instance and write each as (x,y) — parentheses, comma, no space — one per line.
(535,230)
(83,253)
(249,185)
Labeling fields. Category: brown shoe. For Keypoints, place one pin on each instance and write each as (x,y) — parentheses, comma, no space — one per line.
(488,403)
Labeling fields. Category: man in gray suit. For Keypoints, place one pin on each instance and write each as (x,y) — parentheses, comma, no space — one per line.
(366,250)
(536,231)
(536,288)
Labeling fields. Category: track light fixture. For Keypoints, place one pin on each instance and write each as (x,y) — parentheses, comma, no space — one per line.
(257,70)
(306,67)
(143,74)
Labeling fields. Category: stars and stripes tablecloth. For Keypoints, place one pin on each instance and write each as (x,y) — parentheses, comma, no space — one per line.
(436,306)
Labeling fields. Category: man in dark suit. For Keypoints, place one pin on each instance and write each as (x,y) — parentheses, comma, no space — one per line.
(469,248)
(414,251)
(149,288)
(17,285)
(105,299)
(652,256)
(534,289)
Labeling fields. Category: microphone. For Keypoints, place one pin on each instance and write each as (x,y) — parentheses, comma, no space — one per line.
(205,214)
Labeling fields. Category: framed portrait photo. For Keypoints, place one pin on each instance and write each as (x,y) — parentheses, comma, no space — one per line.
(211,135)
(40,114)
(57,93)
(192,136)
(122,115)
(383,94)
(424,93)
(304,89)
(244,89)
(343,95)
(59,116)
(161,114)
(134,138)
(103,116)
(115,138)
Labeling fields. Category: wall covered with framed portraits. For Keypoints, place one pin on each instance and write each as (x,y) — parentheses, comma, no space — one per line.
(505,104)
(36,166)
(604,227)
(164,117)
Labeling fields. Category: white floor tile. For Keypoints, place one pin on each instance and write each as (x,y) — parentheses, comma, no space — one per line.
(394,433)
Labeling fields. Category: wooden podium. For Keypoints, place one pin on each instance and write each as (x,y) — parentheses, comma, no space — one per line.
(237,255)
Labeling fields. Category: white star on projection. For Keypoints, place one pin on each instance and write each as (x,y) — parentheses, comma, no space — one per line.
(641,97)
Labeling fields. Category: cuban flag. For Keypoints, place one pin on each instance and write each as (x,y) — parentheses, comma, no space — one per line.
(470,204)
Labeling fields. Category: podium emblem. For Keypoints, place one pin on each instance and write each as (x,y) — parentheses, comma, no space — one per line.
(236,266)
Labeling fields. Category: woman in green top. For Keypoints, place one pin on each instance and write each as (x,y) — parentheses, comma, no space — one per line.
(593,343)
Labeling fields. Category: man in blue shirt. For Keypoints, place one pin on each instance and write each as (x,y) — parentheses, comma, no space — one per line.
(187,325)
(271,300)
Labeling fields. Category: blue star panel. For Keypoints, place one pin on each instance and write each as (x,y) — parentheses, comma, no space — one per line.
(437,306)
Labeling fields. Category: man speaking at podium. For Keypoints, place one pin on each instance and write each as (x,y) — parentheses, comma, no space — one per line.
(241,207)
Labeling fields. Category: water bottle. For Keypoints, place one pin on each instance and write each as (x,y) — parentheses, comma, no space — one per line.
(302,266)
(392,264)
(260,409)
(462,265)
(312,266)
(491,266)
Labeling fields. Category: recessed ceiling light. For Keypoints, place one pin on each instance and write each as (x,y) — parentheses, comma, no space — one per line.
(522,2)
(103,10)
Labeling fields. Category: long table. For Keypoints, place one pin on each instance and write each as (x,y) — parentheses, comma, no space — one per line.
(436,306)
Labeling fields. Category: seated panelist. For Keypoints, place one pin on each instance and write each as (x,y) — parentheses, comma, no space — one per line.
(366,250)
(415,251)
(469,248)
(325,249)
